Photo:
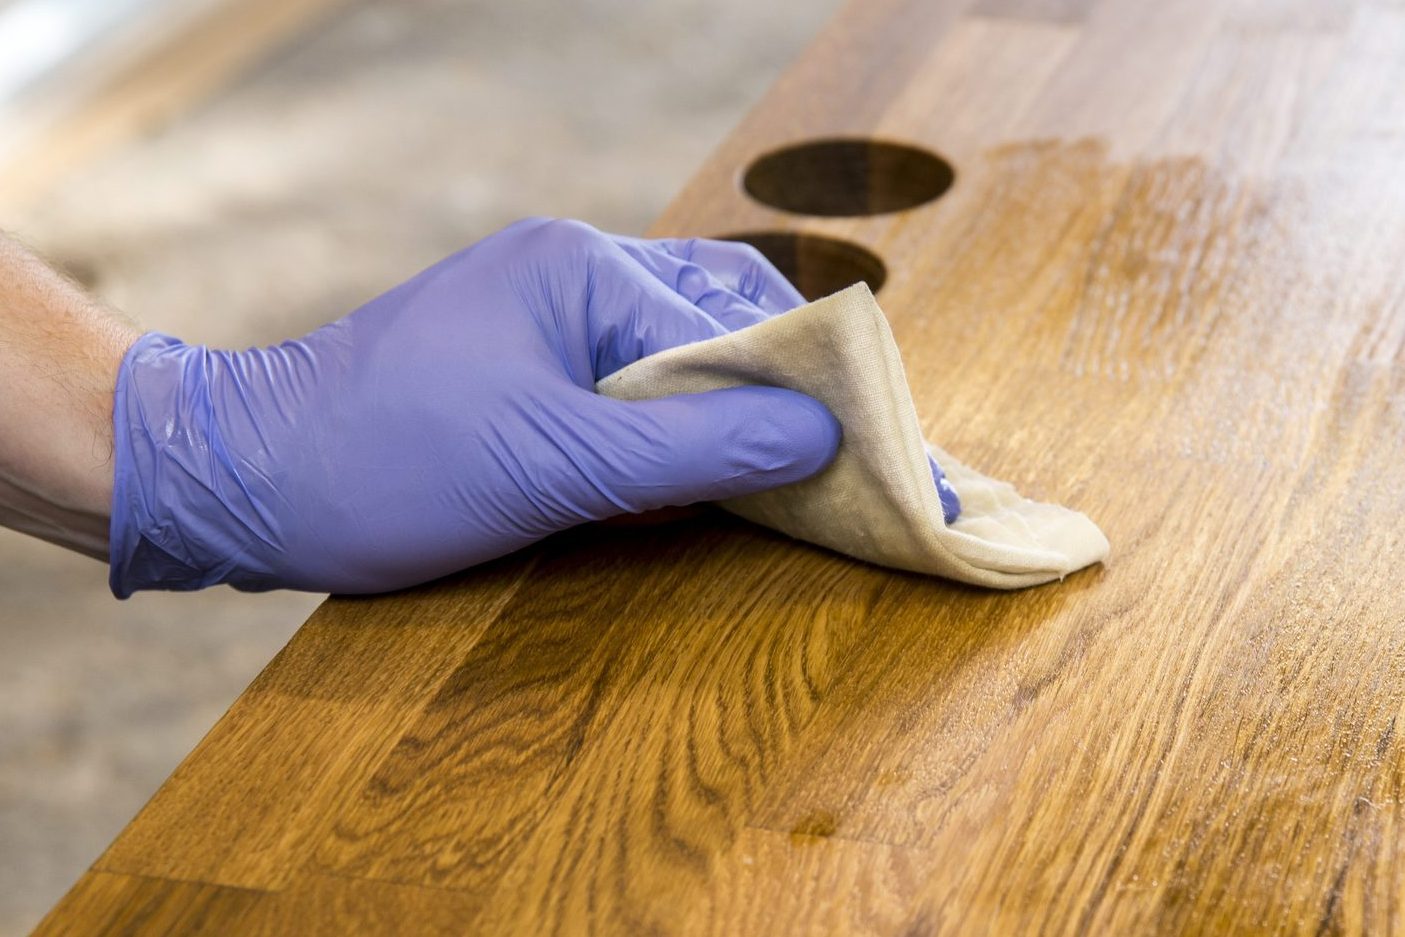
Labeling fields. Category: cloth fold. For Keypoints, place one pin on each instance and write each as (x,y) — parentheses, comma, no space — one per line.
(877,500)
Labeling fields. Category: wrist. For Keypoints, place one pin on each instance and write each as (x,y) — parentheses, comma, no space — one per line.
(59,357)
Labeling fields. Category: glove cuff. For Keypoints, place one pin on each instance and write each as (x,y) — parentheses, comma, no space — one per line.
(173,527)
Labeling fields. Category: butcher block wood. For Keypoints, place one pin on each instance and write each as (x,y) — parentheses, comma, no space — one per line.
(1166,287)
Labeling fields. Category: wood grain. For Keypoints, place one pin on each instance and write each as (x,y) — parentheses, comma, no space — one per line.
(1166,288)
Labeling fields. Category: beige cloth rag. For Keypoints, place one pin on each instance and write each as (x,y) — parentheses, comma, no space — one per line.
(876,500)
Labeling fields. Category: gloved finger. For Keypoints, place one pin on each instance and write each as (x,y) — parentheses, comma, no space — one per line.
(756,277)
(739,267)
(695,284)
(632,314)
(705,447)
(628,313)
(951,501)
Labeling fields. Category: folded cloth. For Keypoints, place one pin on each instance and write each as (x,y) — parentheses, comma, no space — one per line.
(877,500)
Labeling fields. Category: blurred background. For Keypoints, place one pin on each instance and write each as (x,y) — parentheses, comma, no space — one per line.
(239,171)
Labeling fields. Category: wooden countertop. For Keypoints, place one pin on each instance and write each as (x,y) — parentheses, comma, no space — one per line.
(1166,288)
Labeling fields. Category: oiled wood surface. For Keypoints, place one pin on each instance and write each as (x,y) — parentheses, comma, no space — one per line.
(1167,288)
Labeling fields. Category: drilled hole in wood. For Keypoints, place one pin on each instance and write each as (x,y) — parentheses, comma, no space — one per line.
(817,265)
(843,177)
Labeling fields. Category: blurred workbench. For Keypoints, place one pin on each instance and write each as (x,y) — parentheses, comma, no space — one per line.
(1165,288)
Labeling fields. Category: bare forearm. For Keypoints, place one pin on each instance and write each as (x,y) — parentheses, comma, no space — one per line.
(59,355)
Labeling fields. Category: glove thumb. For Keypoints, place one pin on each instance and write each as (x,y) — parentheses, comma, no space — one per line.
(712,446)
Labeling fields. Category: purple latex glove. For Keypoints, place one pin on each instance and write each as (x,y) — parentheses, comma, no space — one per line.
(447,422)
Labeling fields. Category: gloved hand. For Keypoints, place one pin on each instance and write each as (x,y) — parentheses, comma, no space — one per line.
(449,421)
